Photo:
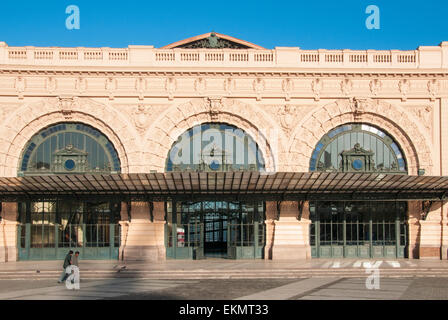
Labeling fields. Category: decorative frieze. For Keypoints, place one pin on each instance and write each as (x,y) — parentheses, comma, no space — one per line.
(170,87)
(317,86)
(404,85)
(259,86)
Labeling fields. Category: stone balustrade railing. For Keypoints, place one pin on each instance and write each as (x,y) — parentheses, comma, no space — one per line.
(422,58)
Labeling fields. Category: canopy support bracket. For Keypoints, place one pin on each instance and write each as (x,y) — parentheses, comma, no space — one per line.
(278,210)
(301,204)
(426,208)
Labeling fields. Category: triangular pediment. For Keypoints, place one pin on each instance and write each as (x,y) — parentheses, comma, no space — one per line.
(212,40)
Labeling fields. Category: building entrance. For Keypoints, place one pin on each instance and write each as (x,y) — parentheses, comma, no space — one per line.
(215,229)
(48,230)
(364,229)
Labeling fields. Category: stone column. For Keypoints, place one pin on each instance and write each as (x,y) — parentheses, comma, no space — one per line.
(124,224)
(291,236)
(142,238)
(431,234)
(8,232)
(271,214)
(414,215)
(444,249)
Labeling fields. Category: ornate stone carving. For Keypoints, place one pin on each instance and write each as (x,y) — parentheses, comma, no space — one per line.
(346,87)
(67,105)
(51,84)
(317,86)
(81,85)
(74,157)
(375,86)
(424,114)
(357,159)
(213,42)
(259,86)
(229,85)
(359,106)
(200,85)
(287,87)
(140,87)
(141,118)
(111,87)
(404,85)
(20,86)
(6,109)
(170,87)
(433,88)
(214,105)
(287,117)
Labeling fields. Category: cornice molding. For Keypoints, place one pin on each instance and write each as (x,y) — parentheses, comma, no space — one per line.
(189,73)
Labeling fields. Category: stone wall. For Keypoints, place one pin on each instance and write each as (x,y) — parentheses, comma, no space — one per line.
(286,110)
(8,232)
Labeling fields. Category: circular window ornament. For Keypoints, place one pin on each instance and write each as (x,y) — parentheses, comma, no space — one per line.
(357,164)
(69,164)
(214,165)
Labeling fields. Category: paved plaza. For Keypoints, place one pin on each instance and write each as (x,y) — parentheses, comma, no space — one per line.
(229,280)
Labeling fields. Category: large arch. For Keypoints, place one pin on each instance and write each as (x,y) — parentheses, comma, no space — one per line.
(406,132)
(23,124)
(237,136)
(172,124)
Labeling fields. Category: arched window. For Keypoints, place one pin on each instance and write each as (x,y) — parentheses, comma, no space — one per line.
(47,229)
(215,147)
(358,148)
(69,148)
(230,229)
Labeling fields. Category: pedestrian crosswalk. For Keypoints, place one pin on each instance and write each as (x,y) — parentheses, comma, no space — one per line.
(337,264)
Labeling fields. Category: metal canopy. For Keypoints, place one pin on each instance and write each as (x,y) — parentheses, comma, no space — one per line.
(226,186)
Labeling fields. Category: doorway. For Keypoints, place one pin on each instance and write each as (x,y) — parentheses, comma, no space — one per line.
(215,229)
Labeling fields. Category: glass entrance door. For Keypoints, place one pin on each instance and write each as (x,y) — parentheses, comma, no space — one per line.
(358,229)
(215,229)
(48,230)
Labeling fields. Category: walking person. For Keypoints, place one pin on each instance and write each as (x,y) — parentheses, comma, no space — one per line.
(67,262)
(75,259)
(75,262)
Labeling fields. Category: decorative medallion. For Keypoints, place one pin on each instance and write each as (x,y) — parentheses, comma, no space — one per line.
(287,117)
(141,118)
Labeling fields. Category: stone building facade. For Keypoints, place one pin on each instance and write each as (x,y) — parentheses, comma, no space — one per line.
(142,99)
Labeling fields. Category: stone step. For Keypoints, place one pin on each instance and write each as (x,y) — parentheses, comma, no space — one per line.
(210,274)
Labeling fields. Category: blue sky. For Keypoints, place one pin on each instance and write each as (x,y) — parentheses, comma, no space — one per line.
(335,24)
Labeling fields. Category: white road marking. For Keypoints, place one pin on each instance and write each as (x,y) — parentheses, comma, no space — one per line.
(394,264)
